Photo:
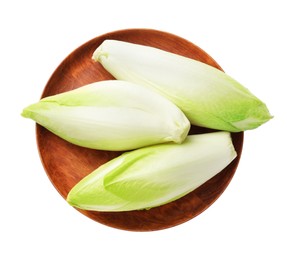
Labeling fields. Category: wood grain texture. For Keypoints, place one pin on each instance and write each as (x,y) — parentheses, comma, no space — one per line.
(66,164)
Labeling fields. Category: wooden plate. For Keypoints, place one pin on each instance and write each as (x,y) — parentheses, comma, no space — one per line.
(66,164)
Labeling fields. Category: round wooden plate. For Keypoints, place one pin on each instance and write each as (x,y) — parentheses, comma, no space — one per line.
(66,164)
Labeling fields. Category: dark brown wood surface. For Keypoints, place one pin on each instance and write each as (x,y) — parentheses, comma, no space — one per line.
(66,164)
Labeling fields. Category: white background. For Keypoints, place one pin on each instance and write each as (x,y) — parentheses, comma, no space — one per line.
(247,38)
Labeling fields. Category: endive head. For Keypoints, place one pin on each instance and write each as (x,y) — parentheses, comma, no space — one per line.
(111,115)
(154,175)
(208,96)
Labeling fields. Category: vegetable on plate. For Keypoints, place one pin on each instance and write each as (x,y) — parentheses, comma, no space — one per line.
(208,97)
(154,175)
(111,115)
